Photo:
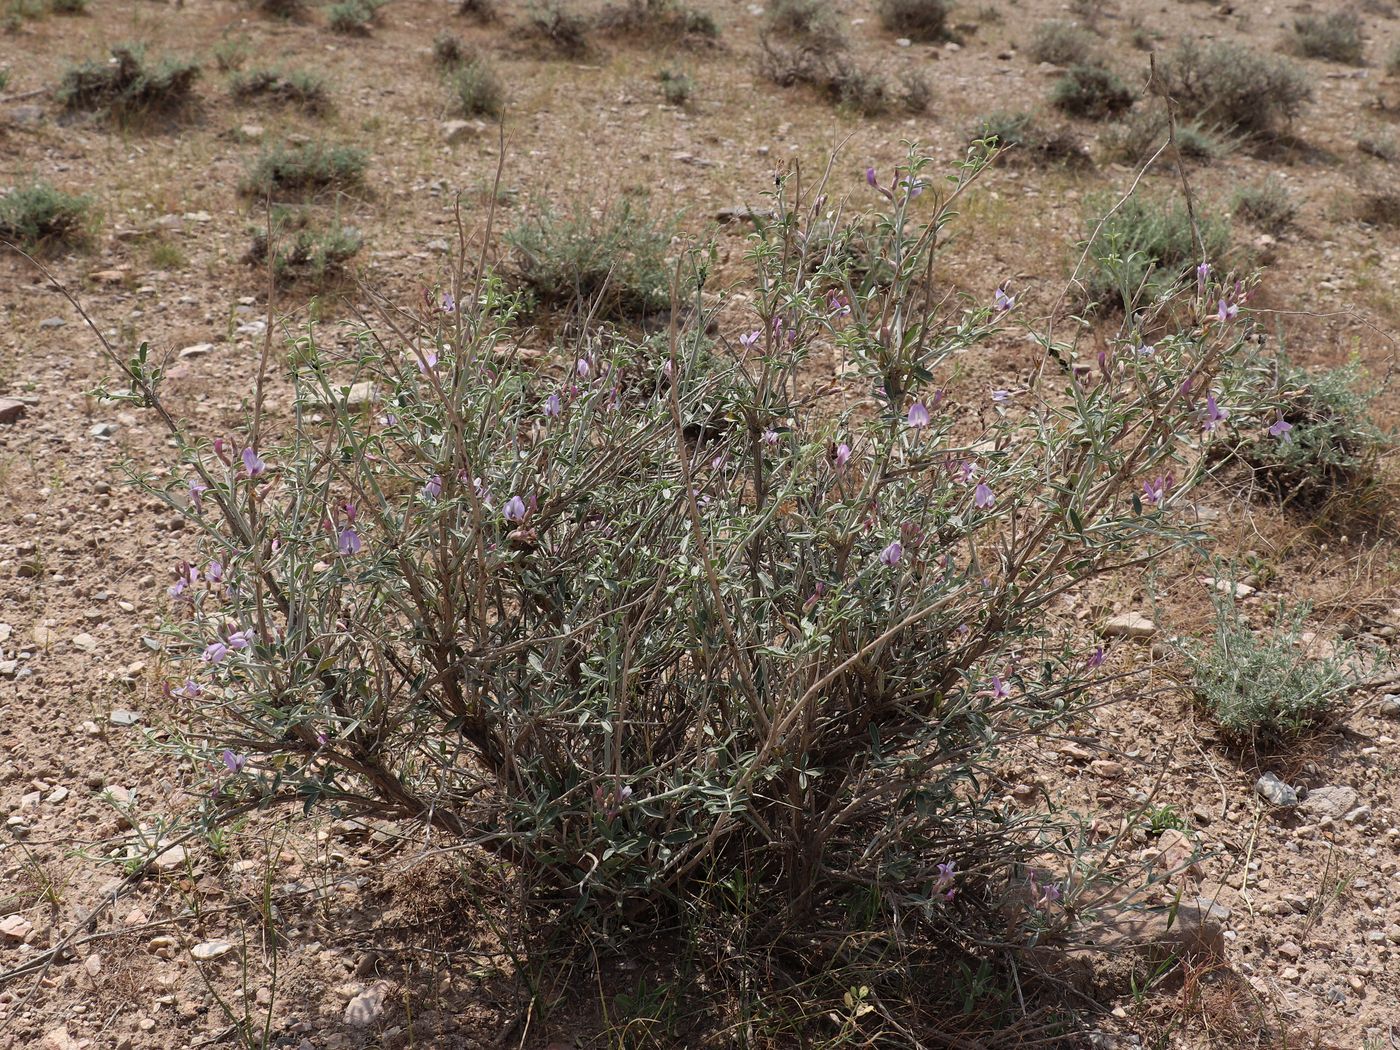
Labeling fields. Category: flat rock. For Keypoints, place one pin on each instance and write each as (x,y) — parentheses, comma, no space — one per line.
(1230,587)
(1328,803)
(366,1007)
(1129,625)
(86,642)
(122,717)
(210,950)
(172,859)
(50,323)
(196,350)
(12,411)
(455,131)
(1186,932)
(15,927)
(1275,790)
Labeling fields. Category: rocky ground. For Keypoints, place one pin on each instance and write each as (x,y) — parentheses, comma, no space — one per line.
(323,930)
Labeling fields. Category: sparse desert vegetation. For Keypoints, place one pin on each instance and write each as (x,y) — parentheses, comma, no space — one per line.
(584,524)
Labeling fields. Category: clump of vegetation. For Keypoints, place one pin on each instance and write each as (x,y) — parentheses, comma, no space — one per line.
(4,78)
(841,80)
(39,216)
(1144,250)
(661,641)
(1392,61)
(676,88)
(477,89)
(231,52)
(355,17)
(68,7)
(1335,37)
(1021,134)
(305,169)
(449,50)
(1265,687)
(299,250)
(479,10)
(128,87)
(306,91)
(1091,91)
(664,18)
(1062,43)
(1145,130)
(565,31)
(1234,87)
(1381,208)
(1267,204)
(613,264)
(812,24)
(287,10)
(921,20)
(1382,147)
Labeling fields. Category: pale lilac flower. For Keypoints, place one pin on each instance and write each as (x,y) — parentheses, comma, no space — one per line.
(215,652)
(1281,428)
(1049,894)
(770,437)
(1202,275)
(190,689)
(449,305)
(1214,414)
(197,488)
(234,763)
(214,572)
(983,497)
(947,873)
(912,186)
(1004,302)
(348,542)
(1227,310)
(240,639)
(918,415)
(433,488)
(967,471)
(582,368)
(870,177)
(515,510)
(1155,491)
(1146,350)
(253,463)
(838,305)
(553,407)
(718,462)
(1096,658)
(428,361)
(890,555)
(843,455)
(1001,689)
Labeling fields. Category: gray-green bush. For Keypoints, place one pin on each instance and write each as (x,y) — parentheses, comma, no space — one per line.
(299,249)
(306,91)
(1022,135)
(921,20)
(308,168)
(477,89)
(1062,43)
(673,647)
(128,87)
(37,216)
(1145,129)
(1091,91)
(353,17)
(1335,36)
(1234,87)
(1266,204)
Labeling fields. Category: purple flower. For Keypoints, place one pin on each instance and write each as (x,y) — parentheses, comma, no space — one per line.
(240,639)
(1146,350)
(433,488)
(843,455)
(912,186)
(215,652)
(983,497)
(197,487)
(515,510)
(750,339)
(1095,658)
(1000,397)
(1155,491)
(428,361)
(348,542)
(870,177)
(253,463)
(448,303)
(234,763)
(838,305)
(553,407)
(1281,428)
(947,873)
(1227,310)
(1202,275)
(890,555)
(1001,689)
(582,368)
(1004,302)
(214,572)
(1049,894)
(1214,414)
(770,437)
(967,471)
(918,415)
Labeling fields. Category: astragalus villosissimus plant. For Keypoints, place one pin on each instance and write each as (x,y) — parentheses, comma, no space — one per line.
(651,626)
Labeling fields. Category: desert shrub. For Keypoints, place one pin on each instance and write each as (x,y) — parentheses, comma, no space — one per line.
(480,10)
(306,91)
(1091,91)
(1380,208)
(1144,130)
(676,88)
(355,17)
(38,215)
(1265,687)
(1316,450)
(68,7)
(563,29)
(232,52)
(1062,43)
(1335,37)
(663,642)
(922,20)
(1382,147)
(450,50)
(308,168)
(128,87)
(301,250)
(477,89)
(613,264)
(4,78)
(1144,249)
(1392,61)
(813,24)
(1267,205)
(915,91)
(667,19)
(287,10)
(841,80)
(1022,135)
(1234,87)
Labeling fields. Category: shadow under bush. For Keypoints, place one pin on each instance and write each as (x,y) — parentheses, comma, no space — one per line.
(671,646)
